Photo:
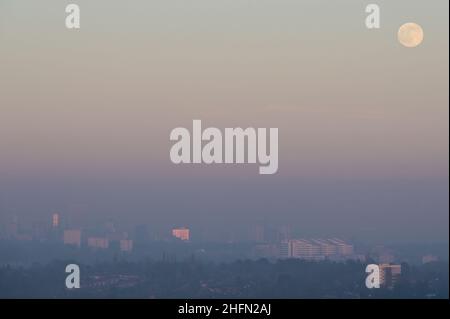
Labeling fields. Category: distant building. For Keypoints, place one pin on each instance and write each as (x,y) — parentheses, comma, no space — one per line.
(327,248)
(315,249)
(305,249)
(343,248)
(56,231)
(300,248)
(55,220)
(389,274)
(429,258)
(72,237)
(181,233)
(285,249)
(126,245)
(98,242)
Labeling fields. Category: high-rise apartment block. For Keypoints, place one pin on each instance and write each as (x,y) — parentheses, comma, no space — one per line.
(315,249)
(389,274)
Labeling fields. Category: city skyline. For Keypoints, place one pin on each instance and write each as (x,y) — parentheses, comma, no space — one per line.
(108,130)
(58,223)
(86,115)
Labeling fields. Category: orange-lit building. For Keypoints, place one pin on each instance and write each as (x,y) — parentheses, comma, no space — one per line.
(181,233)
(55,220)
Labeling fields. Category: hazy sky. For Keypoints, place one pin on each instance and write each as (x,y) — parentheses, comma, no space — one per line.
(85,115)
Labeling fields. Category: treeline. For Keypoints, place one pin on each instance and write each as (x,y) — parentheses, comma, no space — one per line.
(239,279)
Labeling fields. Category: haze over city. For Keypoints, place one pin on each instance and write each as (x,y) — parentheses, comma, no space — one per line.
(363,121)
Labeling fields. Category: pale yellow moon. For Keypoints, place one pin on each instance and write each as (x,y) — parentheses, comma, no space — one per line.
(410,35)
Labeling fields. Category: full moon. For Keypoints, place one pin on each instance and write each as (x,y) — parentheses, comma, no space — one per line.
(410,35)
